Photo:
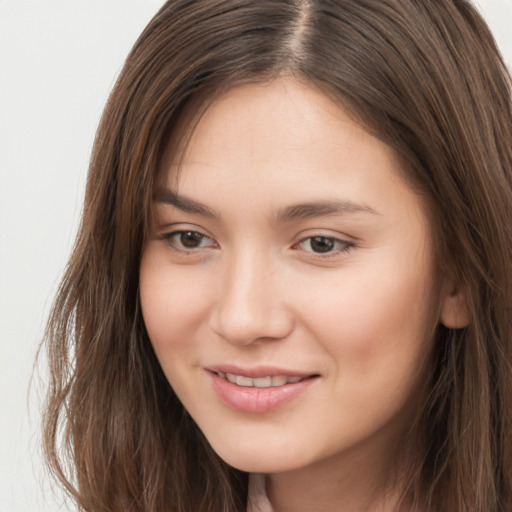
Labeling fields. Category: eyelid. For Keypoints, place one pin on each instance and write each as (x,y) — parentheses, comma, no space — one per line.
(174,230)
(345,244)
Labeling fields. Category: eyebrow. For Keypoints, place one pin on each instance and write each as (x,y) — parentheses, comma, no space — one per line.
(321,209)
(166,196)
(294,212)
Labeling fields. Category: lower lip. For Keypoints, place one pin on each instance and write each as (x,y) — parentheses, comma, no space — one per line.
(252,399)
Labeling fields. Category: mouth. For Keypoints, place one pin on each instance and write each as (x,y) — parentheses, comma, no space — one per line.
(270,381)
(259,390)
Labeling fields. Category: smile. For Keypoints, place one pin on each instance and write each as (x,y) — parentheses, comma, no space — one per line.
(259,382)
(264,390)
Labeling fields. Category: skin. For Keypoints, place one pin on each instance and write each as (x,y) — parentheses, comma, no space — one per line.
(250,287)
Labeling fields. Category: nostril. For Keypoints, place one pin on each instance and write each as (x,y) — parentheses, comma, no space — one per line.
(244,327)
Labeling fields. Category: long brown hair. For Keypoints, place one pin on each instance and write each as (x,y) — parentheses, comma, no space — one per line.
(426,77)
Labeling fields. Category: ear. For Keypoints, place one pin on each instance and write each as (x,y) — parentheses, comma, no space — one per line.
(454,307)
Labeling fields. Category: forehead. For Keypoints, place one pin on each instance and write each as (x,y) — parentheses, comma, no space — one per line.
(270,127)
(261,153)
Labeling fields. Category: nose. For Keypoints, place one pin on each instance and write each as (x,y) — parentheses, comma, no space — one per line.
(251,305)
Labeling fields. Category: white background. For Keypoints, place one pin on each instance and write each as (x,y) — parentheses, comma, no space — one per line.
(58,61)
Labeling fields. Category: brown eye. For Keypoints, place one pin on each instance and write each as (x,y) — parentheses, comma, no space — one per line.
(321,244)
(188,240)
(324,245)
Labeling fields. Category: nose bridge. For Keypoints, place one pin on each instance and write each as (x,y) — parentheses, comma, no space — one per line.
(251,303)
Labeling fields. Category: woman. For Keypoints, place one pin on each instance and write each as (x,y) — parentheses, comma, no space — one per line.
(291,288)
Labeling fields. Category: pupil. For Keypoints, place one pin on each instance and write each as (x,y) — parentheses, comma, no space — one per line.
(191,238)
(322,244)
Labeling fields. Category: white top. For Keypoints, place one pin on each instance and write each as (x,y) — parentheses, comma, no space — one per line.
(257,500)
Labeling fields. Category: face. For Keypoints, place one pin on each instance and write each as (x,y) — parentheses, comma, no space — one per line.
(287,281)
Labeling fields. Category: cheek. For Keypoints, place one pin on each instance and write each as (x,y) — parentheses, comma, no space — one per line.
(376,336)
(369,321)
(172,302)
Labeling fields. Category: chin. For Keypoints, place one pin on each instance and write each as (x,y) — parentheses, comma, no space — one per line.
(257,465)
(255,459)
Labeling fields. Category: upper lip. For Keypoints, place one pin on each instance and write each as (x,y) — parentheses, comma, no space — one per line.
(258,371)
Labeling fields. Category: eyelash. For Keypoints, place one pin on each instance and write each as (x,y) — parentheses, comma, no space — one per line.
(337,245)
(173,239)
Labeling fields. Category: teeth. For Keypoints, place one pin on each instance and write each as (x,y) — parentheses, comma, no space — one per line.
(279,380)
(246,382)
(259,382)
(262,382)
